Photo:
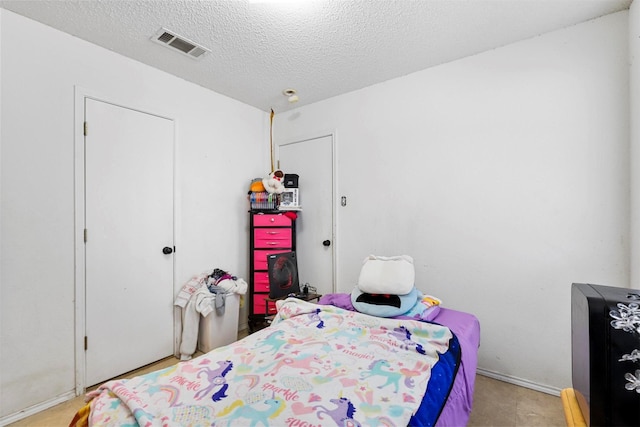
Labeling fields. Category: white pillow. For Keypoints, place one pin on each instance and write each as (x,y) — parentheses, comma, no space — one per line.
(393,275)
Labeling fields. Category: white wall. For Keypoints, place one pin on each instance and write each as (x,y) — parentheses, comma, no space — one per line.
(221,144)
(505,175)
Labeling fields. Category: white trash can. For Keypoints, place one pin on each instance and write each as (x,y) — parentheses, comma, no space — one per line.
(218,330)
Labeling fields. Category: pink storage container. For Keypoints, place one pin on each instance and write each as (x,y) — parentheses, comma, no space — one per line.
(261,281)
(271,220)
(272,237)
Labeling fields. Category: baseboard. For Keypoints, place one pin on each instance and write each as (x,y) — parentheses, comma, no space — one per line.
(32,410)
(520,382)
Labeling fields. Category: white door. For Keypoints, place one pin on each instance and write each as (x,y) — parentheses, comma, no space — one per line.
(128,221)
(312,160)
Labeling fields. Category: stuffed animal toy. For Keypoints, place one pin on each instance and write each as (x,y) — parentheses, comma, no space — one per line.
(384,305)
(274,183)
(386,289)
(256,186)
(387,275)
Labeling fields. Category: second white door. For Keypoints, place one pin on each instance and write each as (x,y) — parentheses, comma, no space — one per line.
(128,221)
(312,160)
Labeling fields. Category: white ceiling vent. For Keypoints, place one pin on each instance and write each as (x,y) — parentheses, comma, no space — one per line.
(181,44)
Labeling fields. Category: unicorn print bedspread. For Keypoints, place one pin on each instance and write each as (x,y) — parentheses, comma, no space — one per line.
(314,366)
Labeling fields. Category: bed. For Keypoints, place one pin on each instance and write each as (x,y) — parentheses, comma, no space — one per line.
(319,364)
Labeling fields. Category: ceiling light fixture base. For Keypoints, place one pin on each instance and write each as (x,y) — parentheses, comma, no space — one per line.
(291,95)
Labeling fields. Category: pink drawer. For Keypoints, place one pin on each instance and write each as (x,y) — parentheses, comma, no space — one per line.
(272,238)
(260,258)
(260,305)
(271,220)
(261,281)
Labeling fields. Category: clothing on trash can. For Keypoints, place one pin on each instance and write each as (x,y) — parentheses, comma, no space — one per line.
(222,283)
(196,298)
(220,299)
(200,303)
(227,282)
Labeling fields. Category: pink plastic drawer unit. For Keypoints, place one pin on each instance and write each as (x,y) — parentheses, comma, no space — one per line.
(271,233)
(271,220)
(272,237)
(260,305)
(261,281)
(260,258)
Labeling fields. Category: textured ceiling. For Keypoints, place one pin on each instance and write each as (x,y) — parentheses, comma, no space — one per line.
(322,48)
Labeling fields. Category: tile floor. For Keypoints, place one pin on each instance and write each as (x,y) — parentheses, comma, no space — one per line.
(496,403)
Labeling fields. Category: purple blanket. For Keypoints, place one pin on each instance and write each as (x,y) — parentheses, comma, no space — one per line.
(467,329)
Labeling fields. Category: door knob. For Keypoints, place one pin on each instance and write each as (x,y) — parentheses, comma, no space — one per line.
(326,243)
(167,250)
